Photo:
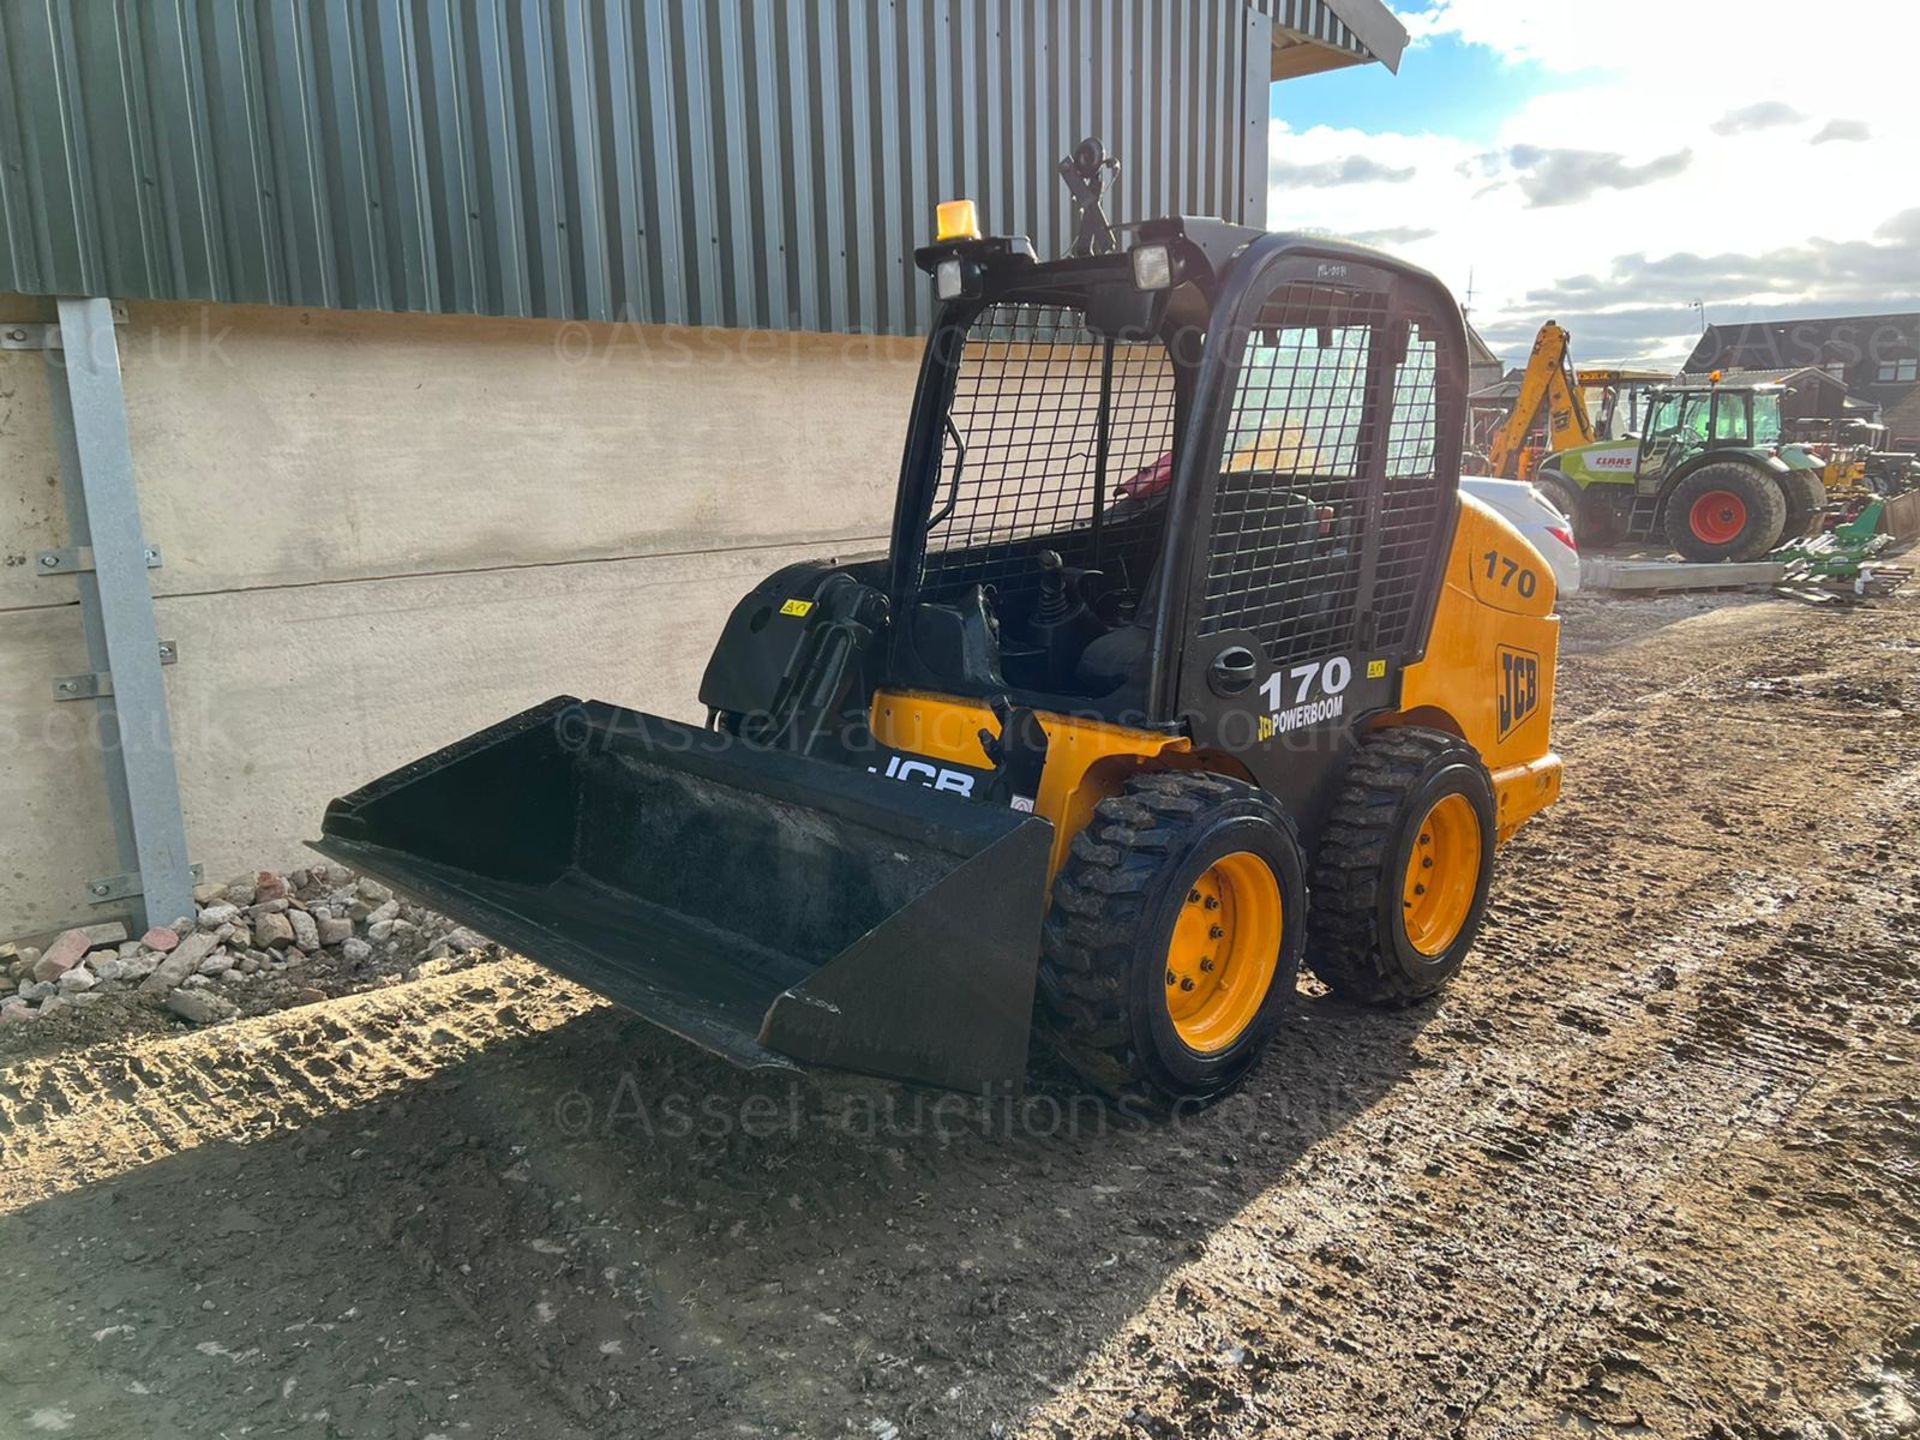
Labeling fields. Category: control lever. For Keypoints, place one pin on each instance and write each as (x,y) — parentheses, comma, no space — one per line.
(1054,604)
(1018,753)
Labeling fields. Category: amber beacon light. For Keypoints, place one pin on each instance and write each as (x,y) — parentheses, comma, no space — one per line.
(957,220)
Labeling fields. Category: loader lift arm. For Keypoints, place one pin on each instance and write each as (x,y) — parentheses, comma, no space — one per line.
(1549,399)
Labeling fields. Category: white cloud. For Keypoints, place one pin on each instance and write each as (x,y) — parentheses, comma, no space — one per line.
(1761,115)
(1347,170)
(1566,177)
(1842,130)
(1668,151)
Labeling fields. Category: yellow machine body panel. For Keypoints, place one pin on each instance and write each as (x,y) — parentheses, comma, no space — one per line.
(1488,672)
(1487,676)
(1087,760)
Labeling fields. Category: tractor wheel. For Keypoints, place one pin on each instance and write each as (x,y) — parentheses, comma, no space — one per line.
(1173,942)
(1806,496)
(1400,881)
(1563,495)
(1595,523)
(1726,511)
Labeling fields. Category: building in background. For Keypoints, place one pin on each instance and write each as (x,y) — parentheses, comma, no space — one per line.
(462,342)
(1875,358)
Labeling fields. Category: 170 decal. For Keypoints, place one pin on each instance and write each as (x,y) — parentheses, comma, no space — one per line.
(1305,694)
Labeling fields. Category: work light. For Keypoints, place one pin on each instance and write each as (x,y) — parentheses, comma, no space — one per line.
(1152,267)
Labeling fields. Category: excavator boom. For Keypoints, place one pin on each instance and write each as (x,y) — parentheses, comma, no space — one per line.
(1549,399)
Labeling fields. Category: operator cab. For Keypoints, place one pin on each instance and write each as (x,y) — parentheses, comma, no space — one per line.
(1053,437)
(1682,421)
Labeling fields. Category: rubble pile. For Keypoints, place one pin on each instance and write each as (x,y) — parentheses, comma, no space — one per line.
(258,943)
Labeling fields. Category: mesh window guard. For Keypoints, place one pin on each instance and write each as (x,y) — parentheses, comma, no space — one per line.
(1410,506)
(1026,407)
(1290,507)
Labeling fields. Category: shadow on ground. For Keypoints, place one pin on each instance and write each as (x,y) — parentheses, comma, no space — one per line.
(596,1230)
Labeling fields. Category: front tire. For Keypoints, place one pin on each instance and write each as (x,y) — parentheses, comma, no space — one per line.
(1173,943)
(1563,495)
(1595,522)
(1405,865)
(1726,511)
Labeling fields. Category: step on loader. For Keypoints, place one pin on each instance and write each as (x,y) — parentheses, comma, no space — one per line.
(1187,664)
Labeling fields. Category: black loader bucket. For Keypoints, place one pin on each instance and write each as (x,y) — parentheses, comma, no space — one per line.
(767,906)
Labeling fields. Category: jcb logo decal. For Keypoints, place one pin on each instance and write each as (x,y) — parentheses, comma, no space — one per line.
(933,777)
(1519,688)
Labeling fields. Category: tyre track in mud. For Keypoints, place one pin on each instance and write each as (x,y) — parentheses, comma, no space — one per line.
(101,1112)
(1648,1082)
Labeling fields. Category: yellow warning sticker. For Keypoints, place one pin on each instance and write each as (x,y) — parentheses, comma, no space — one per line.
(796,607)
(1375,669)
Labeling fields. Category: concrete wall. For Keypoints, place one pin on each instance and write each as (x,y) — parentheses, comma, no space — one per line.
(382,532)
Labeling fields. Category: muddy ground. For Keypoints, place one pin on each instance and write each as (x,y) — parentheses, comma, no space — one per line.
(1651,1168)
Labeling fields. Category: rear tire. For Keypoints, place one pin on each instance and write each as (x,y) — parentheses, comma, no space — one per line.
(1178,886)
(1726,511)
(1416,809)
(1806,496)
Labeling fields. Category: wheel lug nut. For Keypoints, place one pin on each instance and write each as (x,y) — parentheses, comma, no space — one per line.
(1171,977)
(1186,984)
(1419,889)
(1207,964)
(1193,897)
(1213,902)
(1427,864)
(1214,932)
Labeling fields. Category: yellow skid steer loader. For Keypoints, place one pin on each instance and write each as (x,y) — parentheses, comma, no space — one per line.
(1187,664)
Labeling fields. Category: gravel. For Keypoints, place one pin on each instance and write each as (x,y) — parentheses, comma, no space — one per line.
(260,942)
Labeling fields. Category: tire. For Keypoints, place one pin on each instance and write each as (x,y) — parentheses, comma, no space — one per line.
(1414,803)
(1726,511)
(1563,495)
(1806,496)
(1595,523)
(1143,895)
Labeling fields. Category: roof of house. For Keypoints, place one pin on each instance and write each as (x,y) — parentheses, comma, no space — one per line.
(1313,35)
(1793,344)
(1857,344)
(1797,375)
(1478,351)
(1793,379)
(1505,390)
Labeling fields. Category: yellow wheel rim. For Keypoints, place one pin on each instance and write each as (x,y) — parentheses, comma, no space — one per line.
(1443,875)
(1224,951)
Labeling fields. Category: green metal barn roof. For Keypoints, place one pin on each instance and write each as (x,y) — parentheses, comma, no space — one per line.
(763,163)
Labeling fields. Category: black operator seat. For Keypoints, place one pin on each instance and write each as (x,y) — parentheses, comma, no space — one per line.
(1261,526)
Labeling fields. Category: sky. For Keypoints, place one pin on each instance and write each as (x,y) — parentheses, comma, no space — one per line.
(1625,166)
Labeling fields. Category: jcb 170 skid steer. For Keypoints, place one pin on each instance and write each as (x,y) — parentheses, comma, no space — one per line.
(1186,663)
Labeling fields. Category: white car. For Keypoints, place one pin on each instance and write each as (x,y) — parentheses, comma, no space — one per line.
(1533,515)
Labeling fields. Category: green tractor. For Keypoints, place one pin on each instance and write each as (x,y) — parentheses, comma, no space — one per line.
(1709,472)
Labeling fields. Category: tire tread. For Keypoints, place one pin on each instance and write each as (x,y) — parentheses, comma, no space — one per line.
(1100,905)
(1344,945)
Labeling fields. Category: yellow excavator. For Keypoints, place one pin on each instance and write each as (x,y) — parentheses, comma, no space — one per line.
(1553,401)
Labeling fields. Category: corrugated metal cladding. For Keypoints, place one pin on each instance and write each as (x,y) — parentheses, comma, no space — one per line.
(1317,21)
(766,163)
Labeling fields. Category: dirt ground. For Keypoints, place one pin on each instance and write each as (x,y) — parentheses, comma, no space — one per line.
(1651,1168)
